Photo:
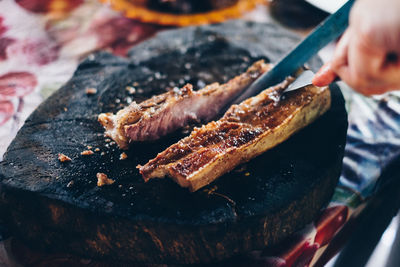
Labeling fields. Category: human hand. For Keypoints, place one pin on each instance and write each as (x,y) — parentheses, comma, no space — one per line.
(366,57)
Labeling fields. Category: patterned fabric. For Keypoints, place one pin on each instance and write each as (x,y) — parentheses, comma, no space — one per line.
(41,43)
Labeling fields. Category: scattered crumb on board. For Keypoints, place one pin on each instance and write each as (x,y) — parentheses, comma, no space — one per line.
(123,156)
(63,158)
(102,179)
(87,153)
(91,91)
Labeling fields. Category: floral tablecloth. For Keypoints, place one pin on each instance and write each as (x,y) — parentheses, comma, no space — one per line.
(41,43)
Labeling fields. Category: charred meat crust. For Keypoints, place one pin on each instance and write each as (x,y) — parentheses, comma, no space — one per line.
(245,131)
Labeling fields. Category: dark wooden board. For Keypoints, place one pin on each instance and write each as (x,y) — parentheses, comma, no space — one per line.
(256,205)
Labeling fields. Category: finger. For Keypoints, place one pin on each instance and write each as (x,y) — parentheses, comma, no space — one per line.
(384,76)
(364,62)
(340,55)
(324,76)
(375,86)
(344,74)
(339,62)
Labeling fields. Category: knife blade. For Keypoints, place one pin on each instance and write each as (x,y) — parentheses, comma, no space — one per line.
(327,31)
(302,80)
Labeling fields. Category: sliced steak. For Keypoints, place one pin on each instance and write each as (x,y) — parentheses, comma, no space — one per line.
(244,132)
(165,113)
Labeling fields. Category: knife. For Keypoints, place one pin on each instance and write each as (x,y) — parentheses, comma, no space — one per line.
(327,31)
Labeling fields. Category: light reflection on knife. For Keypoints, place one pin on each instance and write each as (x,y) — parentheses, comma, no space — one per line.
(302,80)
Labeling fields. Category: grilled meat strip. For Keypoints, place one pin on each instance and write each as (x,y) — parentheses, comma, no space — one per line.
(162,114)
(244,132)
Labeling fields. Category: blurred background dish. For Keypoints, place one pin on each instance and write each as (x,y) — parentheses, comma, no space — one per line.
(183,12)
(296,14)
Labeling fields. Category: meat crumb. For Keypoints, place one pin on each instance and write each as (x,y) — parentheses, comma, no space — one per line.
(123,156)
(63,158)
(102,179)
(97,149)
(91,91)
(87,153)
